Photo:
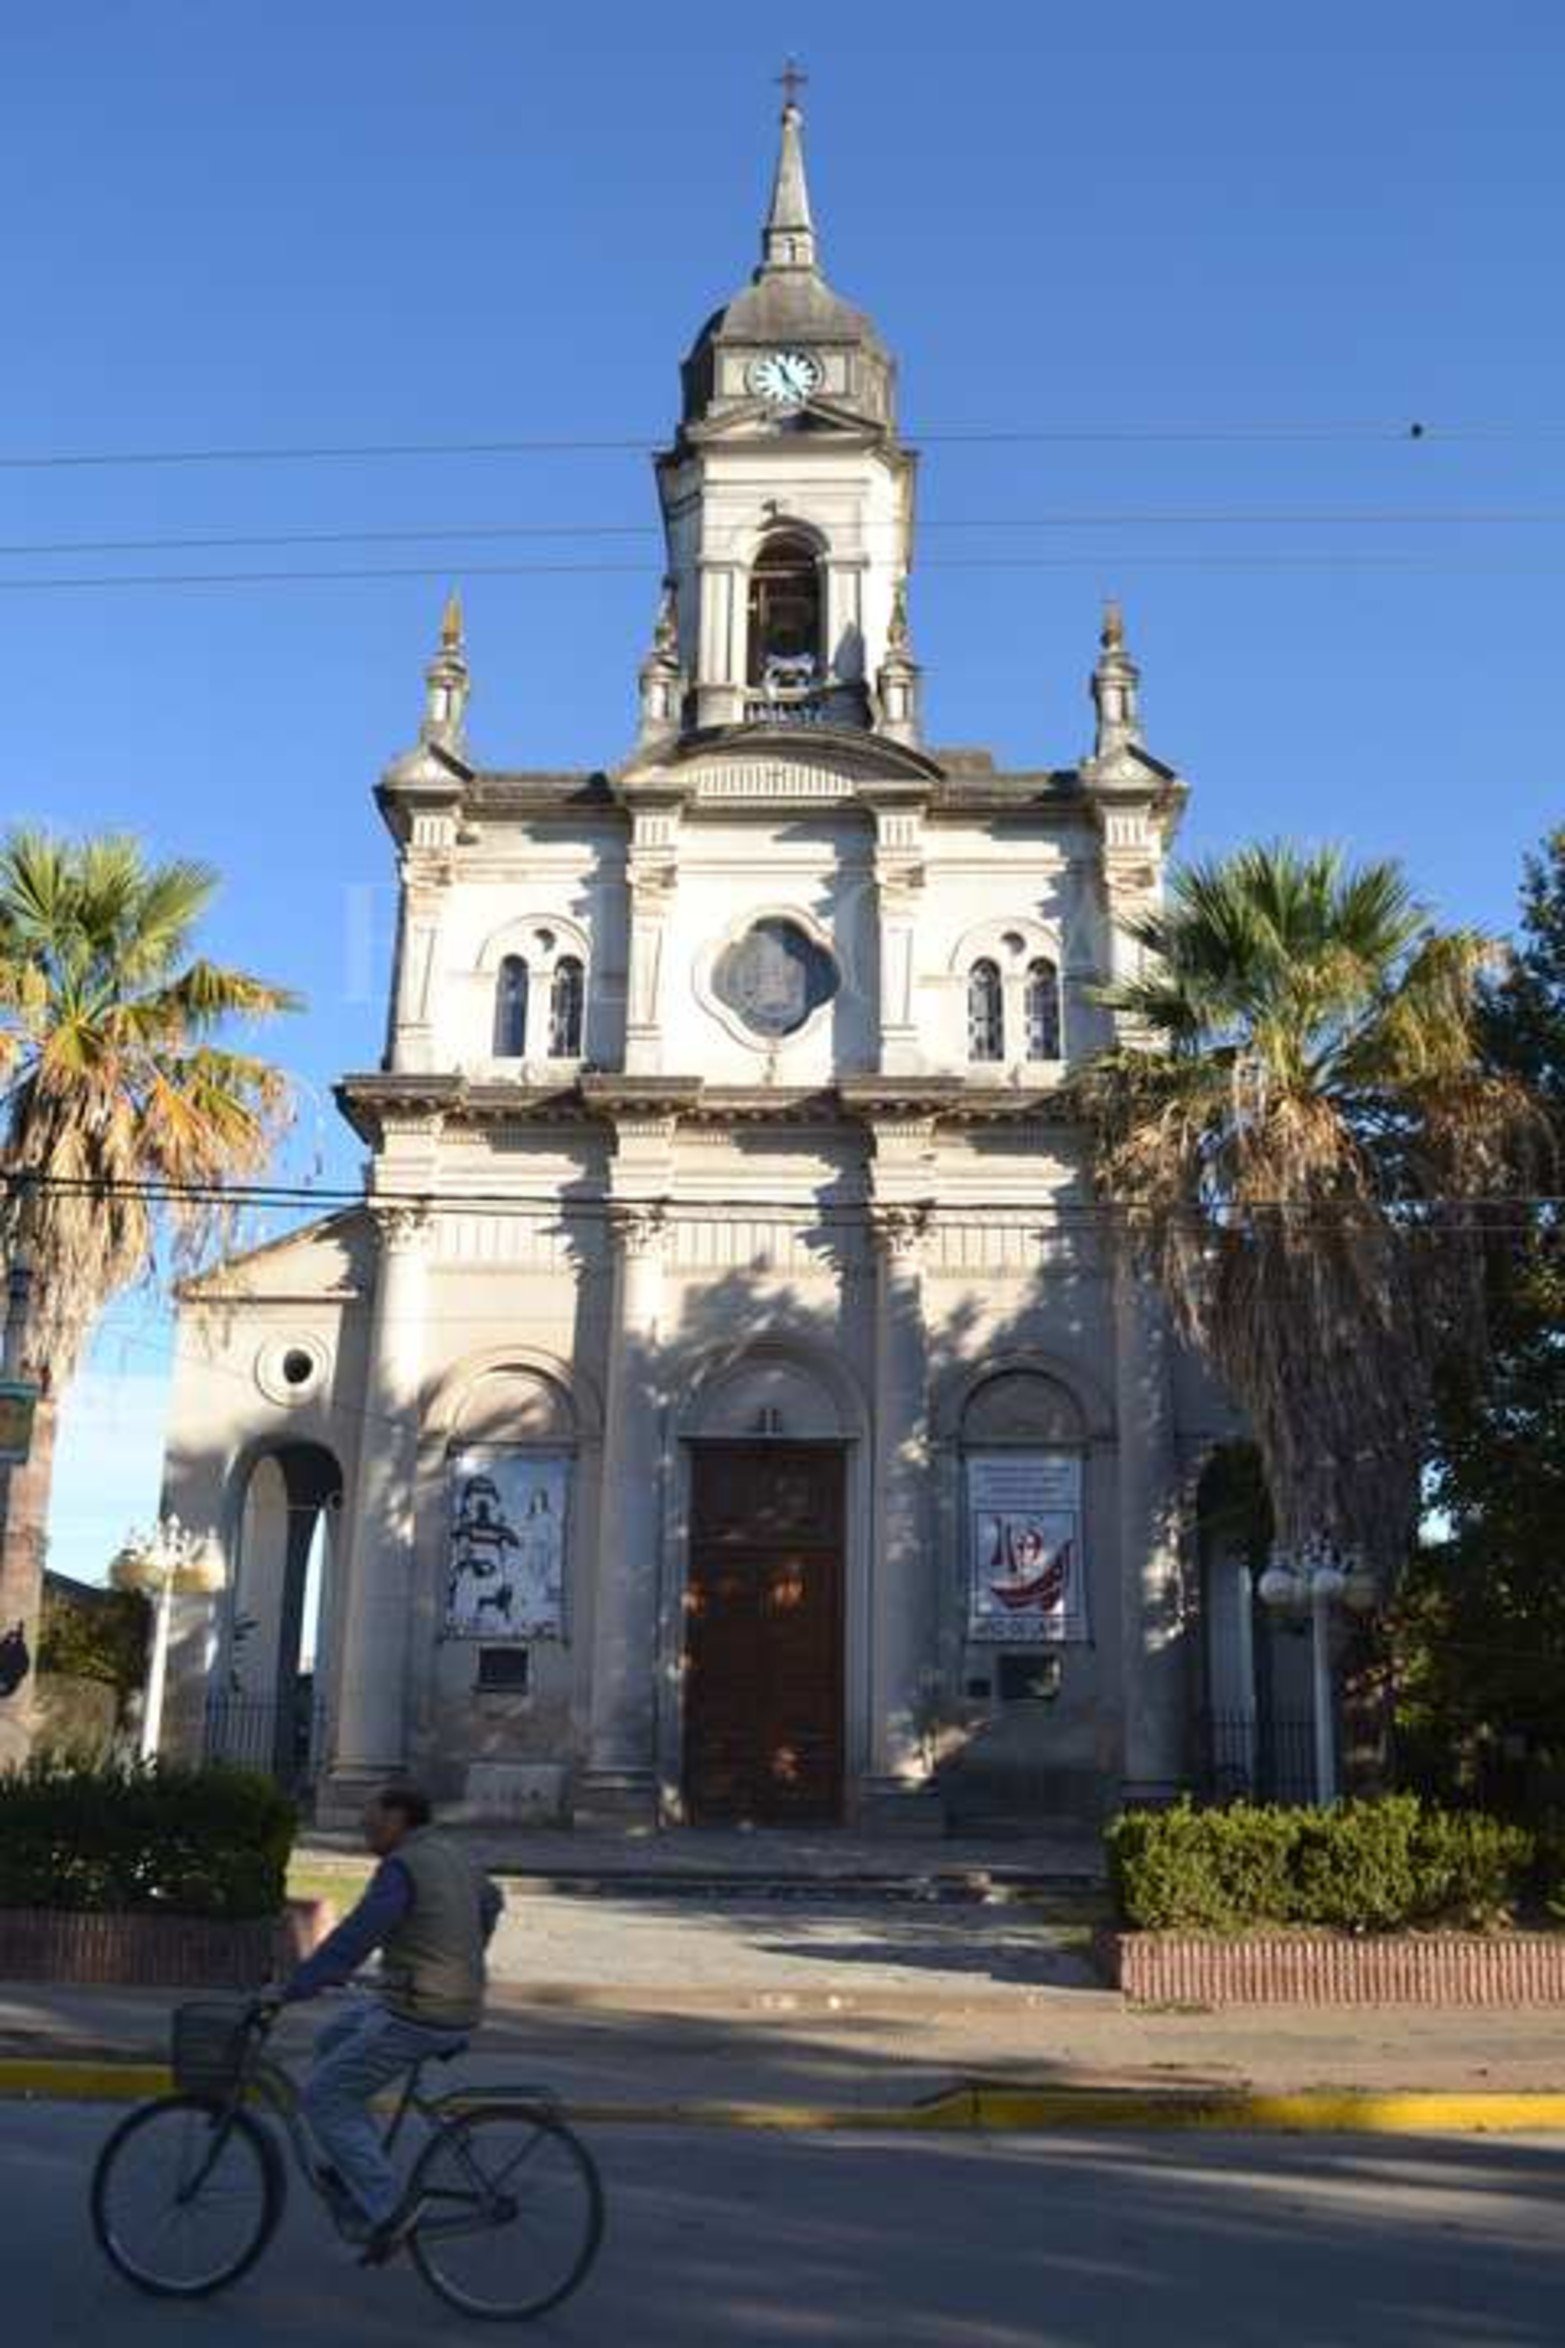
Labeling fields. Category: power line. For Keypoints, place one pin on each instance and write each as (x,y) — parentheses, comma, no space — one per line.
(1390,517)
(1297,517)
(289,1196)
(1116,560)
(1394,429)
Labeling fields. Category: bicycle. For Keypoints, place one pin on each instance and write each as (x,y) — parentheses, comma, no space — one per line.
(190,2188)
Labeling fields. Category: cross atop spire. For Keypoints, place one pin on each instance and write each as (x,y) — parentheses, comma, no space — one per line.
(789,238)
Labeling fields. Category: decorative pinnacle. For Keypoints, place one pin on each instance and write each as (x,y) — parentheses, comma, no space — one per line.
(446,681)
(1116,687)
(789,238)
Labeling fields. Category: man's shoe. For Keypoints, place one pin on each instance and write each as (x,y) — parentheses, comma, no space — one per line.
(386,2239)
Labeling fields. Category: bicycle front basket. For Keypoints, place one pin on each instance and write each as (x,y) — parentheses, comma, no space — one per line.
(210,2046)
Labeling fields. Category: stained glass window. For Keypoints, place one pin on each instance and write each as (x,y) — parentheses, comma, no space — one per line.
(985,1013)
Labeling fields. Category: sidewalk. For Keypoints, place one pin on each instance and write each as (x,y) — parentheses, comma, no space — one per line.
(631,2048)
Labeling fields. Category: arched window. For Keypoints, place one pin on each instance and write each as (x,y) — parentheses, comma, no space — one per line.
(567,997)
(1042,1010)
(510,1009)
(985,1013)
(785,612)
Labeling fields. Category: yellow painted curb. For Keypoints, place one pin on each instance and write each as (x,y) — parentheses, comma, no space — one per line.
(979,2104)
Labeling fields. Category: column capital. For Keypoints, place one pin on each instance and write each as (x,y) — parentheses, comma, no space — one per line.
(900,1231)
(640,1228)
(404,1226)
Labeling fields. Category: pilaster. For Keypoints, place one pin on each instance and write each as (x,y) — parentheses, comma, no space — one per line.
(899,893)
(652,877)
(620,1781)
(369,1741)
(423,894)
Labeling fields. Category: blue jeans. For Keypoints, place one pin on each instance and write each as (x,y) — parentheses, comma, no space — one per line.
(357,2052)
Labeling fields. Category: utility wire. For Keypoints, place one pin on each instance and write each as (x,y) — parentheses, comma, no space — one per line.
(283,1196)
(1375,429)
(228,541)
(1117,559)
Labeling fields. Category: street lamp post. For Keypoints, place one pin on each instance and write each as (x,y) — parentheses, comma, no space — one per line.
(167,1562)
(1311,1580)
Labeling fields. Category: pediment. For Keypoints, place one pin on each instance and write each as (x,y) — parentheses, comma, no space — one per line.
(772,765)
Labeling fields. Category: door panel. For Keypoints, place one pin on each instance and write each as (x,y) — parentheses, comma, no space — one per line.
(763,1642)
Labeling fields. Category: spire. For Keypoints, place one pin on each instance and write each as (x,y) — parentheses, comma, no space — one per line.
(789,239)
(446,682)
(1116,688)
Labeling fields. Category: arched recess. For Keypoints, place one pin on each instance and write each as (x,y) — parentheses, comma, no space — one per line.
(500,1459)
(1075,1393)
(800,1391)
(266,1708)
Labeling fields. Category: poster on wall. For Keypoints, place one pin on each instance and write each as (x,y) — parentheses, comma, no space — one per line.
(506,1576)
(1027,1581)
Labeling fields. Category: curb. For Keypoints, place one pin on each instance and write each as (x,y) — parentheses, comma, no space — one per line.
(974,2105)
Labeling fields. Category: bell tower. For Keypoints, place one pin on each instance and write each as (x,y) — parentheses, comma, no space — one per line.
(787,505)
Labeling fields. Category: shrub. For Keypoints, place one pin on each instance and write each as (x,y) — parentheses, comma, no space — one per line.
(181,1842)
(1470,1869)
(1355,1870)
(1202,1870)
(1363,1867)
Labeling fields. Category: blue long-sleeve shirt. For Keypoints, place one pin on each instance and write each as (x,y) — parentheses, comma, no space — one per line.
(387,1898)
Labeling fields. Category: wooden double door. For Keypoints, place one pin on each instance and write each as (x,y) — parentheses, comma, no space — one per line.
(763,1729)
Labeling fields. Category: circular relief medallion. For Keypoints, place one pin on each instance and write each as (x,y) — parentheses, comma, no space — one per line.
(774,976)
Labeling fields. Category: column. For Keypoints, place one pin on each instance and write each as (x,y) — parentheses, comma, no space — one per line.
(369,1739)
(1155,1665)
(902,1608)
(620,1773)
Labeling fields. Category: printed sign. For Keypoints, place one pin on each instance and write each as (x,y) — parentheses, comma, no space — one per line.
(506,1578)
(1027,1580)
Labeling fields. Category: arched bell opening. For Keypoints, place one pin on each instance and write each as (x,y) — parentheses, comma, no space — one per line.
(786,614)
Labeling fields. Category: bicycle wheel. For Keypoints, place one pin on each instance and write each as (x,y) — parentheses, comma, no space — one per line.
(186,2195)
(510,2212)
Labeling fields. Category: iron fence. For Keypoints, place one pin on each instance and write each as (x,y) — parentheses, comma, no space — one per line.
(1259,1757)
(283,1738)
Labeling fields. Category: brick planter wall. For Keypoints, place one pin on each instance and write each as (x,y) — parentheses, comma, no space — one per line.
(166,1952)
(1321,1969)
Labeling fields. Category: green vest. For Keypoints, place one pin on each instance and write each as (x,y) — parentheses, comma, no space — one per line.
(432,1964)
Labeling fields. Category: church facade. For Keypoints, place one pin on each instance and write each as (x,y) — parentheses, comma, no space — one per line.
(728,1401)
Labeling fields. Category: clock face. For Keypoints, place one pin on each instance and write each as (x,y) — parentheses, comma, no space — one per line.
(786,378)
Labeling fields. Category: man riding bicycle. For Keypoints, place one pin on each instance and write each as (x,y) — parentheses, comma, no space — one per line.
(430,1913)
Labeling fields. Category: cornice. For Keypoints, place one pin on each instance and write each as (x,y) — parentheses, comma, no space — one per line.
(372,1101)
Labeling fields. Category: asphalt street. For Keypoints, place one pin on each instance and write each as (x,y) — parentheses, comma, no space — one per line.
(776,2242)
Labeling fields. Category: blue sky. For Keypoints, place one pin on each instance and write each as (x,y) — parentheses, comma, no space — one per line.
(1291,232)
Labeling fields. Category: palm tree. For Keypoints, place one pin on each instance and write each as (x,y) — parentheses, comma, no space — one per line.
(121,1119)
(1300,1128)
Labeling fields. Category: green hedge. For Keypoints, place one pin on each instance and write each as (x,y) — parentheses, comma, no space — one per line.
(1383,1866)
(182,1842)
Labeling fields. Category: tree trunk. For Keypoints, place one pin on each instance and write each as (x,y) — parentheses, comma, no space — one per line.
(24,1521)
